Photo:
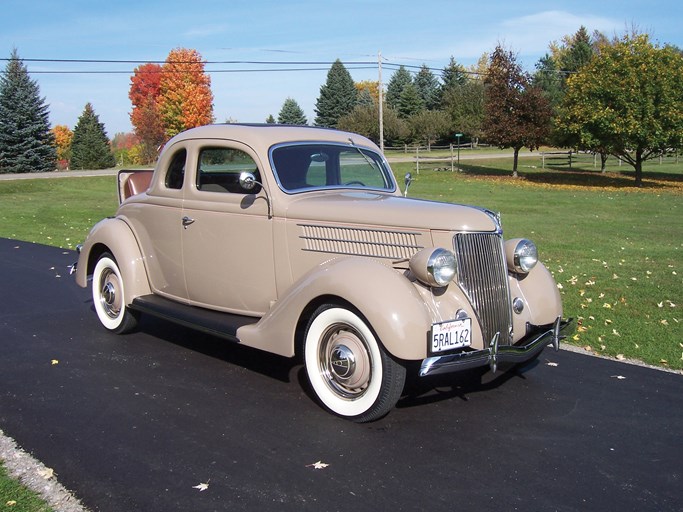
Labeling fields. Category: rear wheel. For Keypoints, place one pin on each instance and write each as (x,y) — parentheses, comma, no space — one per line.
(108,297)
(349,370)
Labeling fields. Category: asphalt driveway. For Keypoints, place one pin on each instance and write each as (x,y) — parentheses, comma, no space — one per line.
(138,422)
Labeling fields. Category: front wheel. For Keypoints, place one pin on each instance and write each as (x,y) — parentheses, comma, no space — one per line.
(108,297)
(349,370)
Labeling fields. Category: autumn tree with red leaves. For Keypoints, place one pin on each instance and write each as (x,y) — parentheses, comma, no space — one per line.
(169,99)
(185,98)
(145,117)
(516,113)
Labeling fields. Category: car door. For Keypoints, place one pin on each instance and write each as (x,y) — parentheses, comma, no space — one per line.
(227,236)
(156,222)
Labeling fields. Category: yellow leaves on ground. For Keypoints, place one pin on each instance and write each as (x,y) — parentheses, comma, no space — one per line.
(617,312)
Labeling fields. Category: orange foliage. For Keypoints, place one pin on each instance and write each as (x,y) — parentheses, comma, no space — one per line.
(185,98)
(63,138)
(144,94)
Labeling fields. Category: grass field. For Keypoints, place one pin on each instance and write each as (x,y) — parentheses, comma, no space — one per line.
(16,497)
(616,251)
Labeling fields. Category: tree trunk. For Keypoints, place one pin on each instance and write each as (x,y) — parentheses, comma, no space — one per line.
(639,168)
(514,163)
(603,161)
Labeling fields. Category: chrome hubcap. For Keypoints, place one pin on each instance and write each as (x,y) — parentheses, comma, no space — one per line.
(109,294)
(345,361)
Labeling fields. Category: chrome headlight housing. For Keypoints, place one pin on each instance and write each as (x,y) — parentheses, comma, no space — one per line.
(521,255)
(434,266)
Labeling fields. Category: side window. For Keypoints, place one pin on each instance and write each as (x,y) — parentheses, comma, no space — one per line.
(219,170)
(175,175)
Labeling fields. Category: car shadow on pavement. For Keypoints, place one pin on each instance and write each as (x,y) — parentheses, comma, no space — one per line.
(417,391)
(461,385)
(265,363)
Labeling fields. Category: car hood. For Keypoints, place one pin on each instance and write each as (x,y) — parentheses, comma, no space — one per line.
(366,208)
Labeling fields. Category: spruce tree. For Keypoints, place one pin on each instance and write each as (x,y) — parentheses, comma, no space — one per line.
(291,113)
(337,97)
(90,147)
(410,102)
(428,87)
(398,81)
(26,141)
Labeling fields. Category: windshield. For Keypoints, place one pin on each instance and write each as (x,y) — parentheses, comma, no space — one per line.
(300,167)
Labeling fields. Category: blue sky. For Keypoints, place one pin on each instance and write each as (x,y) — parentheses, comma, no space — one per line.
(409,33)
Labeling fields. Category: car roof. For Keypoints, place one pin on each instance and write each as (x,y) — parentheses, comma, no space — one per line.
(264,136)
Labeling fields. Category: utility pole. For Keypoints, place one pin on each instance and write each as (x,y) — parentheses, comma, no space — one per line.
(381,102)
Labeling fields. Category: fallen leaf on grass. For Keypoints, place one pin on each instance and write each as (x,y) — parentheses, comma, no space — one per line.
(11,503)
(317,465)
(201,487)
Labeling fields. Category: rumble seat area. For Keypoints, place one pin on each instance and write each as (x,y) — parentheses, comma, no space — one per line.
(132,183)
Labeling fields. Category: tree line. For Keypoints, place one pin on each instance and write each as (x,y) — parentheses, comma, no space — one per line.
(619,96)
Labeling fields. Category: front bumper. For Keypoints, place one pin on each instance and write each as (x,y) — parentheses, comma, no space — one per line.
(495,354)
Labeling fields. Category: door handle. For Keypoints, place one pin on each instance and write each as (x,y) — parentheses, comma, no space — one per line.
(187,221)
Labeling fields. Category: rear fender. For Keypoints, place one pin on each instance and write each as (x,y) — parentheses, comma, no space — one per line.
(388,301)
(114,236)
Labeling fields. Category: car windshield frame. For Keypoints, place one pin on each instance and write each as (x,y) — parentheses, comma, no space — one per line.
(305,166)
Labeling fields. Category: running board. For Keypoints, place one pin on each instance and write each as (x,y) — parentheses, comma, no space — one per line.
(216,323)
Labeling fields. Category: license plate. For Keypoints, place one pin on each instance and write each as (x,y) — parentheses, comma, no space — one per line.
(451,335)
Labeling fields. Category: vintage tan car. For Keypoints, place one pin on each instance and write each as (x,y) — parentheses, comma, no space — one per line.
(298,241)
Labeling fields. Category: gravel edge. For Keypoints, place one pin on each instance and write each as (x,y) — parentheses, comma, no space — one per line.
(37,477)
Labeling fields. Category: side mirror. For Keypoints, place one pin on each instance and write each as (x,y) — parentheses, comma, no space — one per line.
(408,180)
(247,180)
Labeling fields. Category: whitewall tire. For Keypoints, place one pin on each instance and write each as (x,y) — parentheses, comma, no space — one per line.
(349,370)
(109,298)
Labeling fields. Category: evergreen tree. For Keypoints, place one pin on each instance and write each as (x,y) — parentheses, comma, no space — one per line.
(26,141)
(291,113)
(270,119)
(410,102)
(428,87)
(338,96)
(365,98)
(453,75)
(90,147)
(397,83)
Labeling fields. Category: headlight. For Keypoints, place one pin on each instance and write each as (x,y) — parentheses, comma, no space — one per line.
(434,267)
(521,255)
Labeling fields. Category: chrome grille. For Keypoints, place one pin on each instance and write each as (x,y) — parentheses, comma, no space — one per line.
(482,273)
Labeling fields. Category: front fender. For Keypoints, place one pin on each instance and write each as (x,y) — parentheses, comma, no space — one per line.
(114,236)
(389,302)
(543,303)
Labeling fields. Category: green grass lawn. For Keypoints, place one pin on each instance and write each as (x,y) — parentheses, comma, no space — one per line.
(16,497)
(616,251)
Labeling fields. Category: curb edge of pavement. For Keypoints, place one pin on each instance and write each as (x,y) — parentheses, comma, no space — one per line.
(37,477)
